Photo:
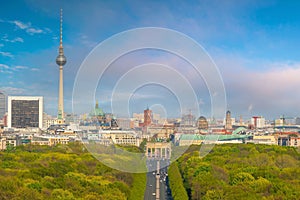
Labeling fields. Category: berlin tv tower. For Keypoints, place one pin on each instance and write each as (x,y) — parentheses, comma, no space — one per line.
(61,61)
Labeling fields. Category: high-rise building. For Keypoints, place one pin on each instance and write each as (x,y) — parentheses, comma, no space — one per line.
(2,105)
(25,111)
(61,61)
(147,117)
(228,122)
(258,122)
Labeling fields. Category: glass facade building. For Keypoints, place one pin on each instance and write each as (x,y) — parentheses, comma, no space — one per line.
(24,112)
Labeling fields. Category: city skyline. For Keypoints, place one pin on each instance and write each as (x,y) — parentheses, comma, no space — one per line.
(253,43)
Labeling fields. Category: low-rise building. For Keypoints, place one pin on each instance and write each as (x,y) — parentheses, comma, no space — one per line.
(2,143)
(294,141)
(189,139)
(264,139)
(109,137)
(50,140)
(125,139)
(13,141)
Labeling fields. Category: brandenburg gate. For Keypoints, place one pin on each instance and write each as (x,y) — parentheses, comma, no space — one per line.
(158,150)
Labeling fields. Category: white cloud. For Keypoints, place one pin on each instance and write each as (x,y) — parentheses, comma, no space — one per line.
(6,54)
(35,69)
(21,67)
(21,25)
(271,87)
(86,41)
(48,30)
(6,72)
(17,39)
(4,66)
(12,90)
(5,69)
(28,27)
(34,31)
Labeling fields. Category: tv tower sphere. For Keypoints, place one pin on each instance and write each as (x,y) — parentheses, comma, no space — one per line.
(61,60)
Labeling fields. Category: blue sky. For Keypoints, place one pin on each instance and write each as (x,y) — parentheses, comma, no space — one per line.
(255,45)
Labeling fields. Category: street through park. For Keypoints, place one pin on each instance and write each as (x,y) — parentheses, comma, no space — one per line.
(157,180)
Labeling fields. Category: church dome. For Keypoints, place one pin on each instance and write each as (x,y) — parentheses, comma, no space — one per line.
(202,118)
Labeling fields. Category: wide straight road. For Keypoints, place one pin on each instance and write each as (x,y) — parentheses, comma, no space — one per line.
(157,187)
(150,193)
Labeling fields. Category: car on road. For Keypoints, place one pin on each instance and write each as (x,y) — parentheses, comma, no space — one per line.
(153,194)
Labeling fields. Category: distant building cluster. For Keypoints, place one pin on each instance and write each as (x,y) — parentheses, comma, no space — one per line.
(23,121)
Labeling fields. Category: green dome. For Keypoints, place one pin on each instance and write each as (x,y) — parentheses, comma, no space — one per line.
(97,111)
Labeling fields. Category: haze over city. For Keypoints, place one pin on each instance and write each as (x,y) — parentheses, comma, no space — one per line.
(254,45)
